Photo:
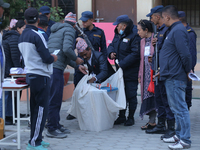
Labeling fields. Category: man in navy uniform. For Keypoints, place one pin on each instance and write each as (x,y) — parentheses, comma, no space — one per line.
(125,48)
(164,111)
(193,52)
(46,10)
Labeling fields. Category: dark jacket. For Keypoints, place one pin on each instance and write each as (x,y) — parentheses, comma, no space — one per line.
(98,66)
(97,39)
(12,53)
(193,47)
(127,48)
(175,59)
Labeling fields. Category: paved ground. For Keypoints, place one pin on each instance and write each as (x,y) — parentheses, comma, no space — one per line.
(117,138)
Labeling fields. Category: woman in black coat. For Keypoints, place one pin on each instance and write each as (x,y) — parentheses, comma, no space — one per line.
(13,59)
(10,45)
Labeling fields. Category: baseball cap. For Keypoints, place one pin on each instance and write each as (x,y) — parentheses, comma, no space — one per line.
(4,5)
(122,18)
(86,15)
(31,15)
(181,14)
(155,10)
(45,10)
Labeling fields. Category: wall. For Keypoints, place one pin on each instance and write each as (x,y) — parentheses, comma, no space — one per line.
(143,8)
(83,5)
(156,2)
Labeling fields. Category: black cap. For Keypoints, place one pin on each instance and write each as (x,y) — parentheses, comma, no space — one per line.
(122,18)
(31,15)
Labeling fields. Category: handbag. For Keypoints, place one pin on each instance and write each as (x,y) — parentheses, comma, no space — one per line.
(151,84)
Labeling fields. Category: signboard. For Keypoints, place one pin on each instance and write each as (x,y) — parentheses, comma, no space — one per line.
(108,28)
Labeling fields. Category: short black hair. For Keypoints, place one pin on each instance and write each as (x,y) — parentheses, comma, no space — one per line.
(171,10)
(159,13)
(146,24)
(20,23)
(43,22)
(183,19)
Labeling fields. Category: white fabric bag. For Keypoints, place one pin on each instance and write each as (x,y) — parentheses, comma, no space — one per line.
(93,108)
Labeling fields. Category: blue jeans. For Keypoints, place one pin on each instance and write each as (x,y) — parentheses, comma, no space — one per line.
(176,98)
(8,104)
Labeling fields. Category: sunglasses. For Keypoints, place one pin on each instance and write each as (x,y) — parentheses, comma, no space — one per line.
(142,22)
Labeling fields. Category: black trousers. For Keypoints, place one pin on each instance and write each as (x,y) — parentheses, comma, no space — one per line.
(39,100)
(162,105)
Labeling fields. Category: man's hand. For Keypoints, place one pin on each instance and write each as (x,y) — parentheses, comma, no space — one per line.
(83,69)
(154,41)
(92,80)
(156,75)
(150,59)
(113,56)
(55,57)
(79,61)
(188,75)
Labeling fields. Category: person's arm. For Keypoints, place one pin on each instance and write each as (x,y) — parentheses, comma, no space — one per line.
(103,68)
(134,56)
(111,49)
(193,48)
(42,49)
(68,44)
(182,46)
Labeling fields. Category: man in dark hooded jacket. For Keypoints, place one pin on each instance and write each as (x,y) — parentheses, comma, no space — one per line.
(125,49)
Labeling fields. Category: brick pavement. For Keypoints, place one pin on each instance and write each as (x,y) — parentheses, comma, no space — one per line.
(117,138)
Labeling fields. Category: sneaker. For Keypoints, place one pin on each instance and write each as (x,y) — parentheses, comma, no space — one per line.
(65,130)
(179,145)
(70,117)
(30,147)
(171,139)
(45,144)
(56,134)
(168,134)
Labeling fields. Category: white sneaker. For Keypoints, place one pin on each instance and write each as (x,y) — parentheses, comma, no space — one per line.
(179,145)
(172,139)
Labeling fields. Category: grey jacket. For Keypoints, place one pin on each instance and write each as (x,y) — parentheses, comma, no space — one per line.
(3,66)
(62,37)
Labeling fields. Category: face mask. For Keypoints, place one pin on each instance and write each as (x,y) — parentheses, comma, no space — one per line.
(121,32)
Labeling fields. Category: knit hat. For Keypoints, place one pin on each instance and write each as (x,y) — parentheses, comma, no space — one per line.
(13,23)
(81,45)
(70,17)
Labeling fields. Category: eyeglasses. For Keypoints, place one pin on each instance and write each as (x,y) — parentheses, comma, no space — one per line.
(141,21)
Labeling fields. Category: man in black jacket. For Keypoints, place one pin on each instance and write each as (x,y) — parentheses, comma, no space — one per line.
(95,61)
(125,48)
(175,63)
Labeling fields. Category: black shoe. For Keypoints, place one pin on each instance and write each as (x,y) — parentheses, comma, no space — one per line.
(119,120)
(148,126)
(156,130)
(56,134)
(70,117)
(9,120)
(168,134)
(129,122)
